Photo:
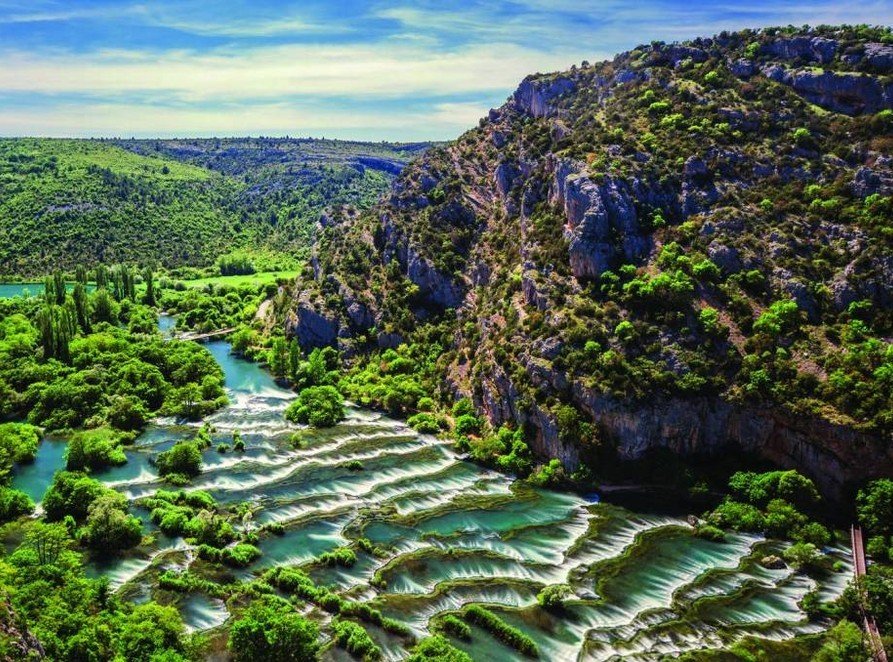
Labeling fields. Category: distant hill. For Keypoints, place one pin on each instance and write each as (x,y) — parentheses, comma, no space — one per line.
(176,202)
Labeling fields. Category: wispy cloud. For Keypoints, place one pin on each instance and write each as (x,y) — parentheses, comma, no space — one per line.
(356,68)
(147,120)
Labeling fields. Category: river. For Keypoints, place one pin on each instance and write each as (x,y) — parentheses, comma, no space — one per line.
(459,533)
(11,290)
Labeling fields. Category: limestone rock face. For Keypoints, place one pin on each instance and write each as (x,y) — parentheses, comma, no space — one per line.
(597,214)
(312,324)
(437,286)
(534,97)
(848,93)
(808,49)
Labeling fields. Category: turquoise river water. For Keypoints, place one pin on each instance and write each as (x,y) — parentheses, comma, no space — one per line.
(458,534)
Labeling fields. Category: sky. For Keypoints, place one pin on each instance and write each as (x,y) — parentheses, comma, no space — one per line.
(414,70)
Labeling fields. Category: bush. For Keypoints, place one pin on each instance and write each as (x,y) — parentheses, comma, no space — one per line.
(737,516)
(355,640)
(109,528)
(843,643)
(463,407)
(184,458)
(271,629)
(318,406)
(71,493)
(127,412)
(20,441)
(507,634)
(240,556)
(712,533)
(455,626)
(14,504)
(94,450)
(342,556)
(804,556)
(552,597)
(425,423)
(438,649)
(874,505)
(467,424)
(781,317)
(549,474)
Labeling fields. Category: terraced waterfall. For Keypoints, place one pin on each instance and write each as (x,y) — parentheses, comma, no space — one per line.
(455,534)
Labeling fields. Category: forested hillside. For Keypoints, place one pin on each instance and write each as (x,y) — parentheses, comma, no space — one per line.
(687,247)
(70,202)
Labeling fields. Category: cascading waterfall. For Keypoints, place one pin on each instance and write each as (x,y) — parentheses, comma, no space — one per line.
(456,534)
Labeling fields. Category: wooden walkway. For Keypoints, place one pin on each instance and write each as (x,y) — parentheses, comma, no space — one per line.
(194,335)
(859,568)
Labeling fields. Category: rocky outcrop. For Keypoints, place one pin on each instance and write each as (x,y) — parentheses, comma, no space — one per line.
(805,49)
(433,284)
(311,324)
(597,215)
(20,643)
(384,165)
(512,228)
(872,57)
(831,454)
(534,96)
(848,93)
(877,179)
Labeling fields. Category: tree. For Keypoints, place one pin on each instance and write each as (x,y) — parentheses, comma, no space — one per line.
(277,357)
(71,493)
(20,441)
(48,541)
(552,597)
(874,505)
(127,412)
(187,399)
(319,406)
(105,308)
(14,504)
(272,630)
(152,632)
(94,449)
(149,280)
(183,458)
(843,643)
(82,307)
(109,528)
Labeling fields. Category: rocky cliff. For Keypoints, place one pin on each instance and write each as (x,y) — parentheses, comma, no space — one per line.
(688,246)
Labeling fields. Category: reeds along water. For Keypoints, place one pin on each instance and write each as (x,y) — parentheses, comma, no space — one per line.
(456,534)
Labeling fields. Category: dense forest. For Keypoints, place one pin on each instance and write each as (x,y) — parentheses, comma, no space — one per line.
(70,202)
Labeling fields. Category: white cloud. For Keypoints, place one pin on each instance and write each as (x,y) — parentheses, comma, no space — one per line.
(440,121)
(359,71)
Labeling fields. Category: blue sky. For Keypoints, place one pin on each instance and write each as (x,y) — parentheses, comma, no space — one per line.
(346,69)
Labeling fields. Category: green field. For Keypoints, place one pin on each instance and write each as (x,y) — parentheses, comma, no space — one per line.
(247,279)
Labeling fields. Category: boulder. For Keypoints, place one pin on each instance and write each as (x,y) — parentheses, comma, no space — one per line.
(773,562)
